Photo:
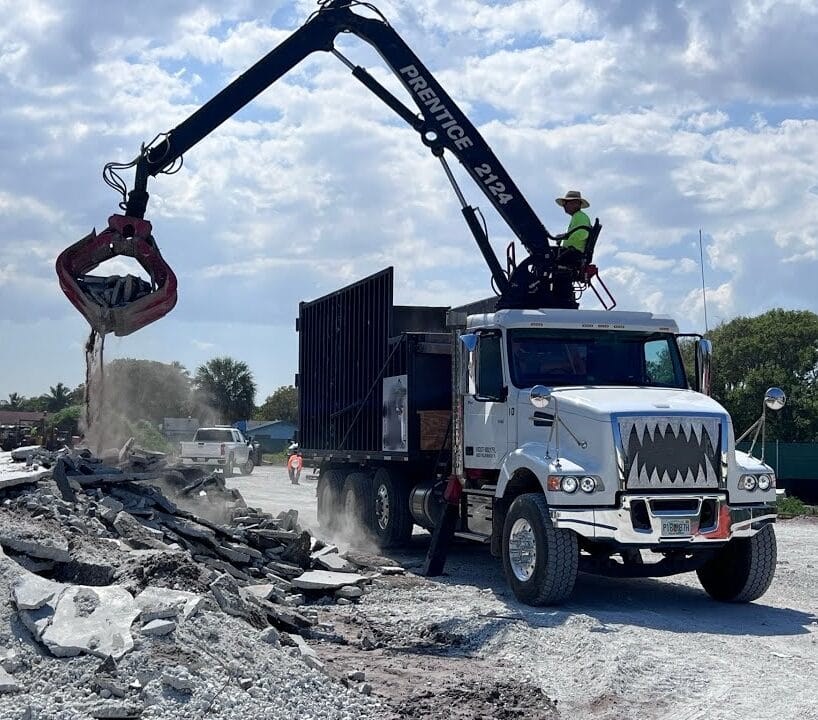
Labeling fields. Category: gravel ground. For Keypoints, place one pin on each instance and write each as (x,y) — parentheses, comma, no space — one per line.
(462,646)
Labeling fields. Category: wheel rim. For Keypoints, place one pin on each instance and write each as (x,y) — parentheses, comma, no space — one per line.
(382,507)
(522,550)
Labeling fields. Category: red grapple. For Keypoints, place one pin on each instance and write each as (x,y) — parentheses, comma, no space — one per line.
(121,310)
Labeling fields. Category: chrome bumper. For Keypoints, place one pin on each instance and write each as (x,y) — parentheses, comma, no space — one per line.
(617,524)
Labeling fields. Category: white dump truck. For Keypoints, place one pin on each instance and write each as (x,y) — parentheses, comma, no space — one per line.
(578,439)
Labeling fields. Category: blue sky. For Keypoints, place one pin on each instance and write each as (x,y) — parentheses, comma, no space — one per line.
(669,115)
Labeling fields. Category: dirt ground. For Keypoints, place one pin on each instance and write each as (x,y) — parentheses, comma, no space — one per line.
(461,646)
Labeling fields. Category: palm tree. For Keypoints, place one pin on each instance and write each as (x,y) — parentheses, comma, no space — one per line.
(228,387)
(59,398)
(15,401)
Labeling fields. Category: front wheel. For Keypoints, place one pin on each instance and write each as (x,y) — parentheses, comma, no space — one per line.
(742,570)
(540,561)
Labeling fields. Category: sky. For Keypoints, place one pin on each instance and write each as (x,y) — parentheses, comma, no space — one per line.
(671,116)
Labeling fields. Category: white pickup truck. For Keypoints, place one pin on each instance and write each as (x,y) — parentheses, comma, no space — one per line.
(218,447)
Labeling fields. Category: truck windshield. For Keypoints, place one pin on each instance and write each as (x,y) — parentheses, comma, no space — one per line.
(214,435)
(594,357)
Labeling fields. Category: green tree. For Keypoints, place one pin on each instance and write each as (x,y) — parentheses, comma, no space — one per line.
(281,405)
(15,401)
(778,348)
(147,390)
(58,398)
(67,419)
(226,385)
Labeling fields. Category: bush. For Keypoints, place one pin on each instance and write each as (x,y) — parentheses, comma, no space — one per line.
(794,506)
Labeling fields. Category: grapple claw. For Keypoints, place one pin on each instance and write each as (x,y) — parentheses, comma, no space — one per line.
(116,304)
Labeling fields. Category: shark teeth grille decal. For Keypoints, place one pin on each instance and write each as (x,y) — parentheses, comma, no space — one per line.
(671,451)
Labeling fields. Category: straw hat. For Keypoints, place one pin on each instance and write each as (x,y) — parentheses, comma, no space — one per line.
(573,195)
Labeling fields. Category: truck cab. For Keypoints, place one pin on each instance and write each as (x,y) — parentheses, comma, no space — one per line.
(593,411)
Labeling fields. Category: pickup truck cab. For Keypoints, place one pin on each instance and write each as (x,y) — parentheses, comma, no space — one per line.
(218,447)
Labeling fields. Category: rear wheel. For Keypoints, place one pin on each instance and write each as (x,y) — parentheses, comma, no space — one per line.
(379,504)
(390,520)
(540,561)
(328,496)
(228,467)
(247,468)
(743,569)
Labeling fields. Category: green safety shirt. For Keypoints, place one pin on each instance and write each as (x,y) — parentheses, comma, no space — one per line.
(580,237)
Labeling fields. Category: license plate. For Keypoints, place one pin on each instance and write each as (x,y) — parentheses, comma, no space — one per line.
(676,528)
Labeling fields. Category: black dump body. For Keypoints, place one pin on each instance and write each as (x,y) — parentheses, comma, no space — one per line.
(350,343)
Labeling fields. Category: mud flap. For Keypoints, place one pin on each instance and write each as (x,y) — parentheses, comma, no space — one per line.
(445,528)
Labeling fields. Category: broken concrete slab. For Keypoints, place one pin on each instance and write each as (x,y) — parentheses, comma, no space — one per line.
(227,594)
(298,551)
(334,562)
(158,628)
(31,592)
(160,603)
(135,533)
(265,591)
(36,543)
(325,580)
(92,620)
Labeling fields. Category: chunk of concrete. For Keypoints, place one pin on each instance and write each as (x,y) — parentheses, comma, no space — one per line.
(92,620)
(349,592)
(36,544)
(227,594)
(266,591)
(157,628)
(325,580)
(334,562)
(159,603)
(31,592)
(136,533)
(7,682)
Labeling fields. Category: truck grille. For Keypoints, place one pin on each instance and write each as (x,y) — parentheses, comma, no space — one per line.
(671,451)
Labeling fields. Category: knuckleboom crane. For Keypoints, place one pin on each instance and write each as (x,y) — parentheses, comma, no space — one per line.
(124,305)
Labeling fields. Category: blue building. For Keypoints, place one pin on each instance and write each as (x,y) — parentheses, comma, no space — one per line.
(273,435)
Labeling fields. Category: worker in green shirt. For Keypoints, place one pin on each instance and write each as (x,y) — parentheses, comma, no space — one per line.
(573,243)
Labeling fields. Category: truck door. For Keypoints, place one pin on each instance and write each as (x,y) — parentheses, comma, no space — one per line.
(485,407)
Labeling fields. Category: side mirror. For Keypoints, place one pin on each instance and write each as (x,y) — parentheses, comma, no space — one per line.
(704,358)
(539,396)
(775,398)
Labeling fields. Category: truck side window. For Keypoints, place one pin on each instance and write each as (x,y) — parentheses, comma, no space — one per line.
(659,368)
(489,369)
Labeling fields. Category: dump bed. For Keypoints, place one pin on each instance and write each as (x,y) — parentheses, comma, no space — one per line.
(374,378)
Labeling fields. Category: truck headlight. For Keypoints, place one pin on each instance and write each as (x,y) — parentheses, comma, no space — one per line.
(765,482)
(587,484)
(748,482)
(569,484)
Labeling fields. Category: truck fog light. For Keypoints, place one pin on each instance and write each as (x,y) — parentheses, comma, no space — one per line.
(588,484)
(569,484)
(748,482)
(764,482)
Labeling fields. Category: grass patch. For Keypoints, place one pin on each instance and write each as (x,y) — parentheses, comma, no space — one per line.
(794,506)
(279,458)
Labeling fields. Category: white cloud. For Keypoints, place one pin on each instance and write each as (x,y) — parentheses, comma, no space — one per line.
(669,117)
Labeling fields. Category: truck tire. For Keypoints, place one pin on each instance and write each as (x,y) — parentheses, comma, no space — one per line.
(742,570)
(228,467)
(328,497)
(247,468)
(540,561)
(388,515)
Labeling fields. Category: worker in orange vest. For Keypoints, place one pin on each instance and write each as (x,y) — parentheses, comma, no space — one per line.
(294,464)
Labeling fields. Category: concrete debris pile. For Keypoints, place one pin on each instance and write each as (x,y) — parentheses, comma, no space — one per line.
(100,558)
